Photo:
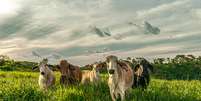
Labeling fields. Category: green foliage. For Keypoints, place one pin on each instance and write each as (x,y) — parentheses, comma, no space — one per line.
(7,64)
(23,86)
(184,71)
(176,80)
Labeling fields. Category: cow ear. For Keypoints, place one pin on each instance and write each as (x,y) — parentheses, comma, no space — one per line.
(136,67)
(58,67)
(33,68)
(107,59)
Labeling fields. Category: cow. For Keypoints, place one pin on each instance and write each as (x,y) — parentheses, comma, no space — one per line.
(47,77)
(120,77)
(92,76)
(142,72)
(70,74)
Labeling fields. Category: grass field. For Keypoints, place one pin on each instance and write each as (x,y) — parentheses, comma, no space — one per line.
(23,86)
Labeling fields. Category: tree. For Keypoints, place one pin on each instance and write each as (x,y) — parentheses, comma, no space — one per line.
(3,59)
(159,60)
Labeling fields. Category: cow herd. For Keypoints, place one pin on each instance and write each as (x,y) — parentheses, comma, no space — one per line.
(122,74)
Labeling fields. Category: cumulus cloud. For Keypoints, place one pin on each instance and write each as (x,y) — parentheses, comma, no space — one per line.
(61,29)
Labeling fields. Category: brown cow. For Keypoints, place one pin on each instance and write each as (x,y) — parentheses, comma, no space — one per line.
(70,74)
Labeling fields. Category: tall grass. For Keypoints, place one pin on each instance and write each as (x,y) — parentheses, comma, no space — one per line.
(23,86)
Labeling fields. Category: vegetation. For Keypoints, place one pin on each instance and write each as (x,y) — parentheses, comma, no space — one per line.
(183,71)
(8,64)
(23,86)
(176,79)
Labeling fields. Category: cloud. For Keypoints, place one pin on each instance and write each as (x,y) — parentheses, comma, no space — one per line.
(196,13)
(14,24)
(62,28)
(164,9)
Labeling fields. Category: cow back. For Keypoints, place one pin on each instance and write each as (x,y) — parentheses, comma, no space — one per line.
(125,73)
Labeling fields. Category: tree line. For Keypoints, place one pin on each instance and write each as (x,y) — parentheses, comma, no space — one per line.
(184,67)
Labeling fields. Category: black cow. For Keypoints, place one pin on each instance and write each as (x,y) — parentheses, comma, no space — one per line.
(142,74)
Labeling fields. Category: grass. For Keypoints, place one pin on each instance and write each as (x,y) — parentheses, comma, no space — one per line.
(23,86)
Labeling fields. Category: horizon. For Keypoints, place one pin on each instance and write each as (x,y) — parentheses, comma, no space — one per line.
(86,31)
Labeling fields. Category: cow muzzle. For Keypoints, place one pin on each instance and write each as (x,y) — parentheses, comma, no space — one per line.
(42,73)
(111,71)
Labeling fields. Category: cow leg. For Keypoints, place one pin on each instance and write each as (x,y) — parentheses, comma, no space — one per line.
(92,79)
(143,83)
(135,81)
(61,81)
(116,95)
(51,81)
(127,93)
(147,79)
(83,81)
(97,81)
(112,94)
(122,94)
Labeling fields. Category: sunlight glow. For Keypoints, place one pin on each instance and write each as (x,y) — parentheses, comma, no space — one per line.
(7,7)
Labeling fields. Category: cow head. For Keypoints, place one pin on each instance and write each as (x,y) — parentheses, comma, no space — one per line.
(43,67)
(96,67)
(63,63)
(146,65)
(64,67)
(138,70)
(112,63)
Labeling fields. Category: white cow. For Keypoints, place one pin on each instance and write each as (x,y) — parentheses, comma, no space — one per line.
(47,77)
(92,76)
(120,77)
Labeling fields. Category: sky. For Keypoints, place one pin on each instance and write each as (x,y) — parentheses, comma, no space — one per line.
(85,31)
